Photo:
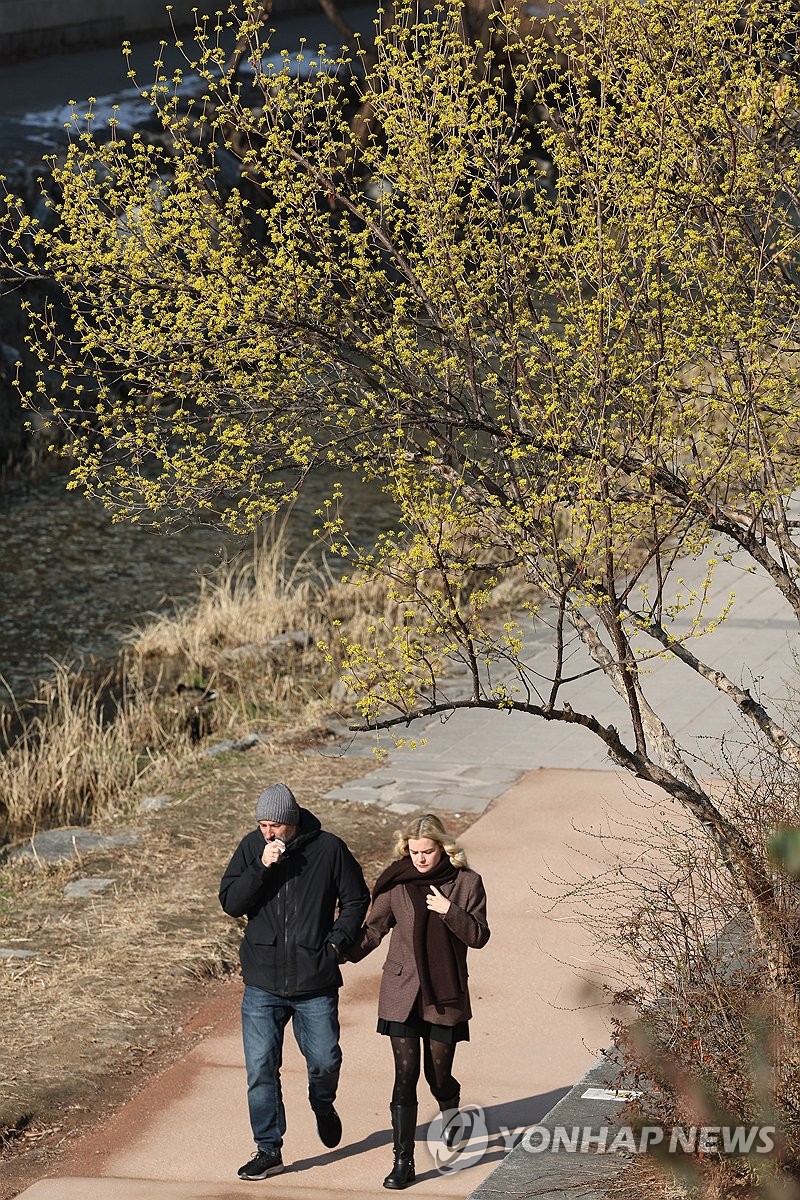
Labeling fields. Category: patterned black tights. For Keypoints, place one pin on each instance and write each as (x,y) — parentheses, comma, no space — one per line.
(438,1063)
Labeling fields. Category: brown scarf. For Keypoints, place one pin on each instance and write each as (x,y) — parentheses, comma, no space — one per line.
(433,942)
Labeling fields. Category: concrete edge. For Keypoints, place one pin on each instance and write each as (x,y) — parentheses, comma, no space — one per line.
(559,1173)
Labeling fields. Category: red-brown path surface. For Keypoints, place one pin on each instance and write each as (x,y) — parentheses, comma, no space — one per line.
(537,1028)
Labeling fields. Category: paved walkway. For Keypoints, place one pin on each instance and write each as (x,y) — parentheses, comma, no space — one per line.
(540,1020)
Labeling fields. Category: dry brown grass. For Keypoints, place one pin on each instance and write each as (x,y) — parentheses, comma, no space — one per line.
(233,638)
(648,1178)
(74,754)
(657,1177)
(223,638)
(247,604)
(239,604)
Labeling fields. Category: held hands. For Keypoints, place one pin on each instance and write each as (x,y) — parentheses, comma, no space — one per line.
(436,901)
(272,853)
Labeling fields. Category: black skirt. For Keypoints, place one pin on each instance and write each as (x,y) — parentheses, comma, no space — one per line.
(415,1026)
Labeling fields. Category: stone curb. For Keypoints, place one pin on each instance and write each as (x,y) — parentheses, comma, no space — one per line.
(563,1174)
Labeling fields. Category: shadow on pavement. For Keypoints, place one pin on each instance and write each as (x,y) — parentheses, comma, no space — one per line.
(516,1113)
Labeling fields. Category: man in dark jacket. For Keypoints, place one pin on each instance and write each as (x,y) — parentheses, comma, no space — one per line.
(305,898)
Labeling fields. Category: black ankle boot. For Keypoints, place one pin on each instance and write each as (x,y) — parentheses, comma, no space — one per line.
(404,1124)
(452,1122)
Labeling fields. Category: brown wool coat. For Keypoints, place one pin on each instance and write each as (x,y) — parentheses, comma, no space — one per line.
(466,920)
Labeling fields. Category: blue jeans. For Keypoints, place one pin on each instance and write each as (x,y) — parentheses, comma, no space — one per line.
(315,1021)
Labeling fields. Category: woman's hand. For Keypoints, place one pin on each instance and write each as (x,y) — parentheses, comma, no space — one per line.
(436,901)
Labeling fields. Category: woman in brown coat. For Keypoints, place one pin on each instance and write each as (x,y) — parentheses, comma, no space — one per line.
(435,907)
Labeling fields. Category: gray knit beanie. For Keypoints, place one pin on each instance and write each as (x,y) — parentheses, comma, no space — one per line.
(277,804)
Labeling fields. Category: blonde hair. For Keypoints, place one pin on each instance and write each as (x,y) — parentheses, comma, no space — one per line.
(430,827)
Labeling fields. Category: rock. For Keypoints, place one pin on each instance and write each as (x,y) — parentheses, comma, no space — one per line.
(154,803)
(297,639)
(59,845)
(240,744)
(218,748)
(7,952)
(79,889)
(249,740)
(274,648)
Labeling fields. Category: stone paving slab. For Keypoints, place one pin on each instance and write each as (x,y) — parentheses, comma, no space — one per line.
(554,1176)
(444,795)
(81,889)
(423,772)
(60,845)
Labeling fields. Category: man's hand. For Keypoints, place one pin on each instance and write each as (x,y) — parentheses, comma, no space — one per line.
(273,852)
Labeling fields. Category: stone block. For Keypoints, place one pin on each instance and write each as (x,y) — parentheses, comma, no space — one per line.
(80,889)
(60,845)
(154,803)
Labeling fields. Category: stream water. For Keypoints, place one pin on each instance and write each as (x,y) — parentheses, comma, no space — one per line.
(71,582)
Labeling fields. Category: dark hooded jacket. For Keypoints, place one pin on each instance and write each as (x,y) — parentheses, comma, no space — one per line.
(312,900)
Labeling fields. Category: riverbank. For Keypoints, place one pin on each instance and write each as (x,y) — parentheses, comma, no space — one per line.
(95,977)
(240,661)
(102,951)
(162,902)
(258,650)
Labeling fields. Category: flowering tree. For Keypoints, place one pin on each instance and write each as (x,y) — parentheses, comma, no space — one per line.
(548,302)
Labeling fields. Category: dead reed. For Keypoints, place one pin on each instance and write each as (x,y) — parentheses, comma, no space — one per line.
(78,751)
(252,636)
(75,752)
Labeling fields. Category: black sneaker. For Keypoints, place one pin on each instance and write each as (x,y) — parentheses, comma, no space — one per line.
(329,1127)
(262,1164)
